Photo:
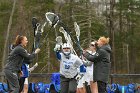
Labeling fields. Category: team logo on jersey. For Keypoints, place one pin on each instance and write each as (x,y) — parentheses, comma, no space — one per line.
(97,54)
(67,66)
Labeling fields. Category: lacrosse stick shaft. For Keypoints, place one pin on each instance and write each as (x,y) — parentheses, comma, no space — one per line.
(66,29)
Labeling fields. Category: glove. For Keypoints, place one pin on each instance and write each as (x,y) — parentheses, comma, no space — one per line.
(57,47)
(79,76)
(32,68)
(37,51)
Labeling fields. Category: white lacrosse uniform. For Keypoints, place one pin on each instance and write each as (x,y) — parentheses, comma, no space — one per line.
(68,67)
(88,76)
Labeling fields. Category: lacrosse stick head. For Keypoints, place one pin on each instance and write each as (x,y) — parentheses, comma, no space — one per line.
(59,40)
(77,29)
(34,22)
(37,30)
(52,18)
(66,35)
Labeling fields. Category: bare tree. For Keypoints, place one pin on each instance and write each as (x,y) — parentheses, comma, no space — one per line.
(5,52)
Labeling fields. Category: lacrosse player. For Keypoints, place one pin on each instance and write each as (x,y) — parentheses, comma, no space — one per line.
(68,68)
(23,81)
(86,84)
(89,70)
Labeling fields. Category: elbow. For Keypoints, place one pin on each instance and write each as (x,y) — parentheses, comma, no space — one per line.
(90,58)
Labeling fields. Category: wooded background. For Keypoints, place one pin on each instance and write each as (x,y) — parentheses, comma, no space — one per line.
(117,19)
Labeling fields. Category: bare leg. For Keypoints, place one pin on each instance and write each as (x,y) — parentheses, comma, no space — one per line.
(94,87)
(25,88)
(81,90)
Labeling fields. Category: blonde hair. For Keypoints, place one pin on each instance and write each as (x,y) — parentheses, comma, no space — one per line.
(104,40)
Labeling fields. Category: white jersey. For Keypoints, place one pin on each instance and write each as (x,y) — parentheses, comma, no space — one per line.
(88,76)
(68,67)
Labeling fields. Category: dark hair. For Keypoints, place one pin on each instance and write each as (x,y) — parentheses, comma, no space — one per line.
(18,40)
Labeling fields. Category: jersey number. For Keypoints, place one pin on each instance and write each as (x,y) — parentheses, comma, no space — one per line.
(67,66)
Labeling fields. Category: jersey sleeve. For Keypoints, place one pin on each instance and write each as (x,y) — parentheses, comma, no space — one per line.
(91,57)
(58,55)
(23,53)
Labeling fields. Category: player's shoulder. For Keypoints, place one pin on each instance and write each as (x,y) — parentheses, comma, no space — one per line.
(74,56)
(19,48)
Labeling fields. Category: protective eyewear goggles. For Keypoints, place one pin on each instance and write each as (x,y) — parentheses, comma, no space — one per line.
(92,45)
(66,48)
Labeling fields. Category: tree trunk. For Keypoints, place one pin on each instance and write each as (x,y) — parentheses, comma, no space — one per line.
(5,52)
(111,33)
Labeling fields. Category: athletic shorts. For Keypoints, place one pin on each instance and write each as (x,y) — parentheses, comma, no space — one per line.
(26,81)
(80,83)
(86,78)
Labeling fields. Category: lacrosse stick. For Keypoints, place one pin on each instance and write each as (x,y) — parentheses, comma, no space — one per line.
(67,31)
(77,30)
(52,18)
(37,33)
(66,35)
